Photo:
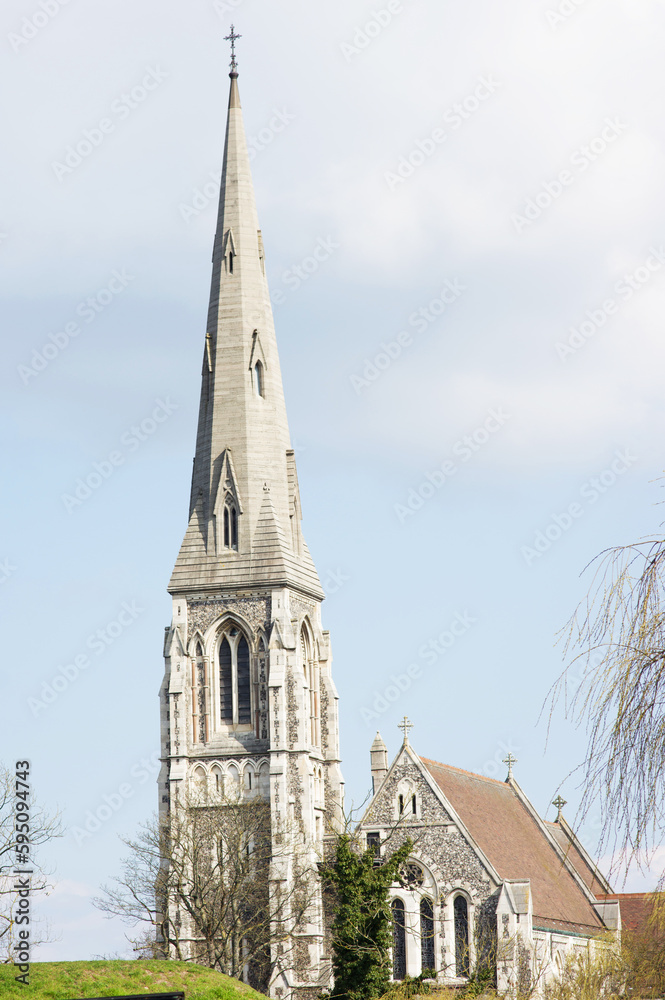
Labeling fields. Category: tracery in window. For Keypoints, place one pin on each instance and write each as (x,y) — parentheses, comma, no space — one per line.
(412,875)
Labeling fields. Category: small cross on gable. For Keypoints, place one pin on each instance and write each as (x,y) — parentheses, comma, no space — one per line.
(405,726)
(509,761)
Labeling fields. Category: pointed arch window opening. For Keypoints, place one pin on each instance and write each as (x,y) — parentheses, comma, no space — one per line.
(399,939)
(230,526)
(461,912)
(231,256)
(311,672)
(259,381)
(235,689)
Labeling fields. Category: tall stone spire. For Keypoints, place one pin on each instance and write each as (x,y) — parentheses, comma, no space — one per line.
(244,517)
(248,702)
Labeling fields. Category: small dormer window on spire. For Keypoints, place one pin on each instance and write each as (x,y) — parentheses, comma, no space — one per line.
(230,525)
(258,379)
(231,256)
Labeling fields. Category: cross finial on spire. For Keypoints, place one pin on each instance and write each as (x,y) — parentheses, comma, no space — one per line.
(510,760)
(559,802)
(232,39)
(405,725)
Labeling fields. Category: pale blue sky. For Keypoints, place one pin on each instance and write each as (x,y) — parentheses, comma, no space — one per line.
(562,113)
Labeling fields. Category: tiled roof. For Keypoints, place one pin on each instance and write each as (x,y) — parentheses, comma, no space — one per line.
(635,908)
(514,843)
(577,859)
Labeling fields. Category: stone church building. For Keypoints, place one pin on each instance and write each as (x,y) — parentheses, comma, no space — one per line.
(248,700)
(488,882)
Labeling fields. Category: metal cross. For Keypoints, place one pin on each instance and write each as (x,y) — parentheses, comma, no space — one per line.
(510,760)
(559,803)
(405,725)
(232,39)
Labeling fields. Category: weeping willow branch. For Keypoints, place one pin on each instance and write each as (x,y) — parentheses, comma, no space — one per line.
(615,686)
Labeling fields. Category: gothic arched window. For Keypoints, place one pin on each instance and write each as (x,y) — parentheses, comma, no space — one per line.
(427,960)
(258,379)
(399,939)
(461,909)
(230,525)
(235,691)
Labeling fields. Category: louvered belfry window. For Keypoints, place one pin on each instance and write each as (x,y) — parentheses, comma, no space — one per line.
(235,688)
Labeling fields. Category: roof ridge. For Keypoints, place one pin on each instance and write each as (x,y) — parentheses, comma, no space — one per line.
(461,770)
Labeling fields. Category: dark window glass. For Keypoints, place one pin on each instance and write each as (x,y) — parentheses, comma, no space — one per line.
(427,934)
(225,683)
(227,528)
(244,699)
(234,528)
(414,807)
(374,841)
(399,939)
(461,936)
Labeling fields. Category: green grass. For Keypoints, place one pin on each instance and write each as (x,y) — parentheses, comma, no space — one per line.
(71,980)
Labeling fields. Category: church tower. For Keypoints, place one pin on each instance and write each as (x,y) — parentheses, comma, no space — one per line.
(248,701)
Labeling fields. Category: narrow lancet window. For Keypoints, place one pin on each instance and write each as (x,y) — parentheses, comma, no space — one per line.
(225,682)
(427,935)
(399,939)
(230,525)
(244,694)
(461,909)
(258,378)
(231,256)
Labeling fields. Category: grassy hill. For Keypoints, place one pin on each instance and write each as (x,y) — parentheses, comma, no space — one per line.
(70,980)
